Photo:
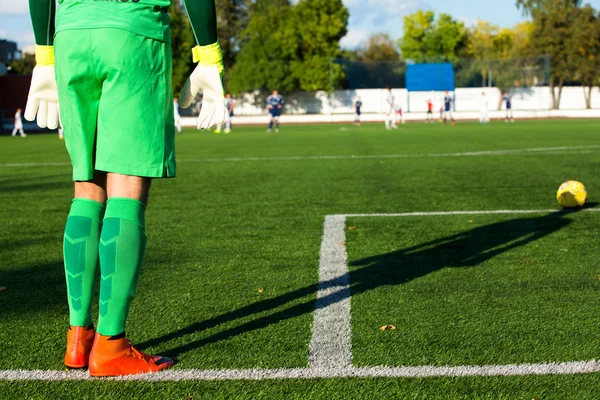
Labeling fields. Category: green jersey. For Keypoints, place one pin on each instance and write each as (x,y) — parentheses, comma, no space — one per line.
(147,18)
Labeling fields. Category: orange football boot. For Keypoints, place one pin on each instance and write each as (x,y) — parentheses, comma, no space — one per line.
(79,344)
(118,357)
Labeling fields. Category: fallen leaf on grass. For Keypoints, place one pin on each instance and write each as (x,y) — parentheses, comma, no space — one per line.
(387,328)
(260,290)
(352,228)
(342,243)
(470,221)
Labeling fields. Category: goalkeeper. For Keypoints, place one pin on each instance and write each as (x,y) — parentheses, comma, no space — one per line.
(108,64)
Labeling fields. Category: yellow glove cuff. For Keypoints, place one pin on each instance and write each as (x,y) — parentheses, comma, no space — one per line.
(44,55)
(209,55)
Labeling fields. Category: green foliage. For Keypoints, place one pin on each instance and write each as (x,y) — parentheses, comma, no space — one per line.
(268,45)
(232,18)
(379,47)
(585,57)
(25,65)
(429,40)
(182,42)
(288,47)
(320,25)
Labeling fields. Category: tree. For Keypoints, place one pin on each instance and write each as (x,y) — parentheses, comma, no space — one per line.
(182,42)
(530,7)
(232,19)
(418,28)
(379,47)
(553,25)
(289,47)
(268,45)
(320,24)
(585,41)
(481,47)
(25,65)
(429,40)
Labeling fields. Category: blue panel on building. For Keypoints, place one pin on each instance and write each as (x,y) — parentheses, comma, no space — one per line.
(428,77)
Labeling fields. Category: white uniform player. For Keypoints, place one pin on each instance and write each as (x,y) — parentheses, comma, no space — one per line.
(229,104)
(176,114)
(484,117)
(390,116)
(18,124)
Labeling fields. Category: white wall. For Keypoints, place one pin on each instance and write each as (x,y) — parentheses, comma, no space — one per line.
(466,100)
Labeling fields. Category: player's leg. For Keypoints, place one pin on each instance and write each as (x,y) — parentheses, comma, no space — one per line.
(79,92)
(14,132)
(218,128)
(270,128)
(387,120)
(277,123)
(22,132)
(227,122)
(178,125)
(131,154)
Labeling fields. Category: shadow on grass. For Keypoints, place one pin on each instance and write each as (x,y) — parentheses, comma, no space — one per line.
(466,249)
(32,289)
(19,184)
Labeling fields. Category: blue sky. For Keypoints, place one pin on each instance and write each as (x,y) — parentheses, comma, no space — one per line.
(366,16)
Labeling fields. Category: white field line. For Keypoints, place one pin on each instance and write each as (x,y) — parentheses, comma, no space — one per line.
(530,151)
(567,368)
(482,212)
(330,353)
(330,346)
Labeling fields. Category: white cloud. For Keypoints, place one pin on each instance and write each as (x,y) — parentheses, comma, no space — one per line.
(354,38)
(374,16)
(13,7)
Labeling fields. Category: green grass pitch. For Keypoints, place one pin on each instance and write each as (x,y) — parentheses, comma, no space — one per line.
(231,272)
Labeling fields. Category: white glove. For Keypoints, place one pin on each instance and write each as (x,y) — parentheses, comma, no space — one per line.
(206,77)
(43,96)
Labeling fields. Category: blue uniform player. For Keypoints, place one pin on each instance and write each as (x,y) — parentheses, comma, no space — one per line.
(507,99)
(357,106)
(448,106)
(274,105)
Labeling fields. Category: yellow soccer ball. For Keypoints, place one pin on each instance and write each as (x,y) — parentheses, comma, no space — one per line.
(571,194)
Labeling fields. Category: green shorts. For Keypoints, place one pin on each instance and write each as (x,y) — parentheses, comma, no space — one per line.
(116,102)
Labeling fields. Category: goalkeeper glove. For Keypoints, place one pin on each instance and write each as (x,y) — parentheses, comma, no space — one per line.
(206,77)
(43,94)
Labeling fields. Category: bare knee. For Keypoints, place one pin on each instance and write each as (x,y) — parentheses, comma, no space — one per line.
(127,186)
(94,189)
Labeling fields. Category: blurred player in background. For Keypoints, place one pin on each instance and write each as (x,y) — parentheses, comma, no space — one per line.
(448,107)
(399,115)
(357,106)
(229,105)
(507,99)
(113,81)
(176,114)
(429,111)
(274,105)
(390,117)
(18,124)
(484,117)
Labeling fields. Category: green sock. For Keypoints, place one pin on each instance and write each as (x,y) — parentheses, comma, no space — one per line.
(80,247)
(122,248)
